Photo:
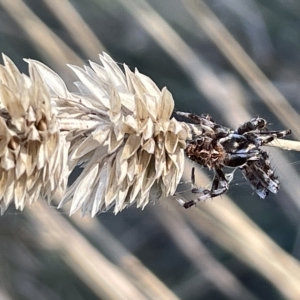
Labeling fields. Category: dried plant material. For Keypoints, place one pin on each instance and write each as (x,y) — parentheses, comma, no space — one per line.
(33,153)
(129,148)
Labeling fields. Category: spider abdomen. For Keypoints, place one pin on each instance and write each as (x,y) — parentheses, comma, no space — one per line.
(206,152)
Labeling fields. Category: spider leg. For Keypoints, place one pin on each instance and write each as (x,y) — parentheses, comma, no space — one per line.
(277,134)
(261,176)
(207,124)
(215,184)
(255,182)
(193,176)
(220,183)
(195,189)
(253,124)
(204,194)
(219,187)
(202,123)
(190,116)
(240,158)
(262,138)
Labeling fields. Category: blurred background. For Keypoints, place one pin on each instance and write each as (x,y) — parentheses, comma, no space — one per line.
(232,59)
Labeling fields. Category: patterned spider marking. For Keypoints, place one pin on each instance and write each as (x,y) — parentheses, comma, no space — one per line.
(261,176)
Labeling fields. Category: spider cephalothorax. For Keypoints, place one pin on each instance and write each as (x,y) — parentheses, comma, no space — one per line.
(216,147)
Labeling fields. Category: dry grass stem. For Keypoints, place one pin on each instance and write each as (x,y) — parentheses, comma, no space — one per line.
(286,144)
(106,280)
(216,31)
(55,50)
(134,269)
(187,241)
(71,19)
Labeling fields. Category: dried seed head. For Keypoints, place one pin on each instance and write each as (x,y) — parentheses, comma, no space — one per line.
(30,143)
(132,151)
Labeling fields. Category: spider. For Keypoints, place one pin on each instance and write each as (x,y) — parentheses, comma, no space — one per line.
(216,147)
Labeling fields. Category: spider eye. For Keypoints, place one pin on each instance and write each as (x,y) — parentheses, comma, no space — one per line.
(261,123)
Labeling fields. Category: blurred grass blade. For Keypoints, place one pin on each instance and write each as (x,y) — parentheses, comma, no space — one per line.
(76,27)
(130,264)
(200,73)
(105,279)
(248,242)
(47,43)
(219,35)
(199,256)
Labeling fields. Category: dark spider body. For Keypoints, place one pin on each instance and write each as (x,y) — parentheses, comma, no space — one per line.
(261,176)
(217,147)
(206,152)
